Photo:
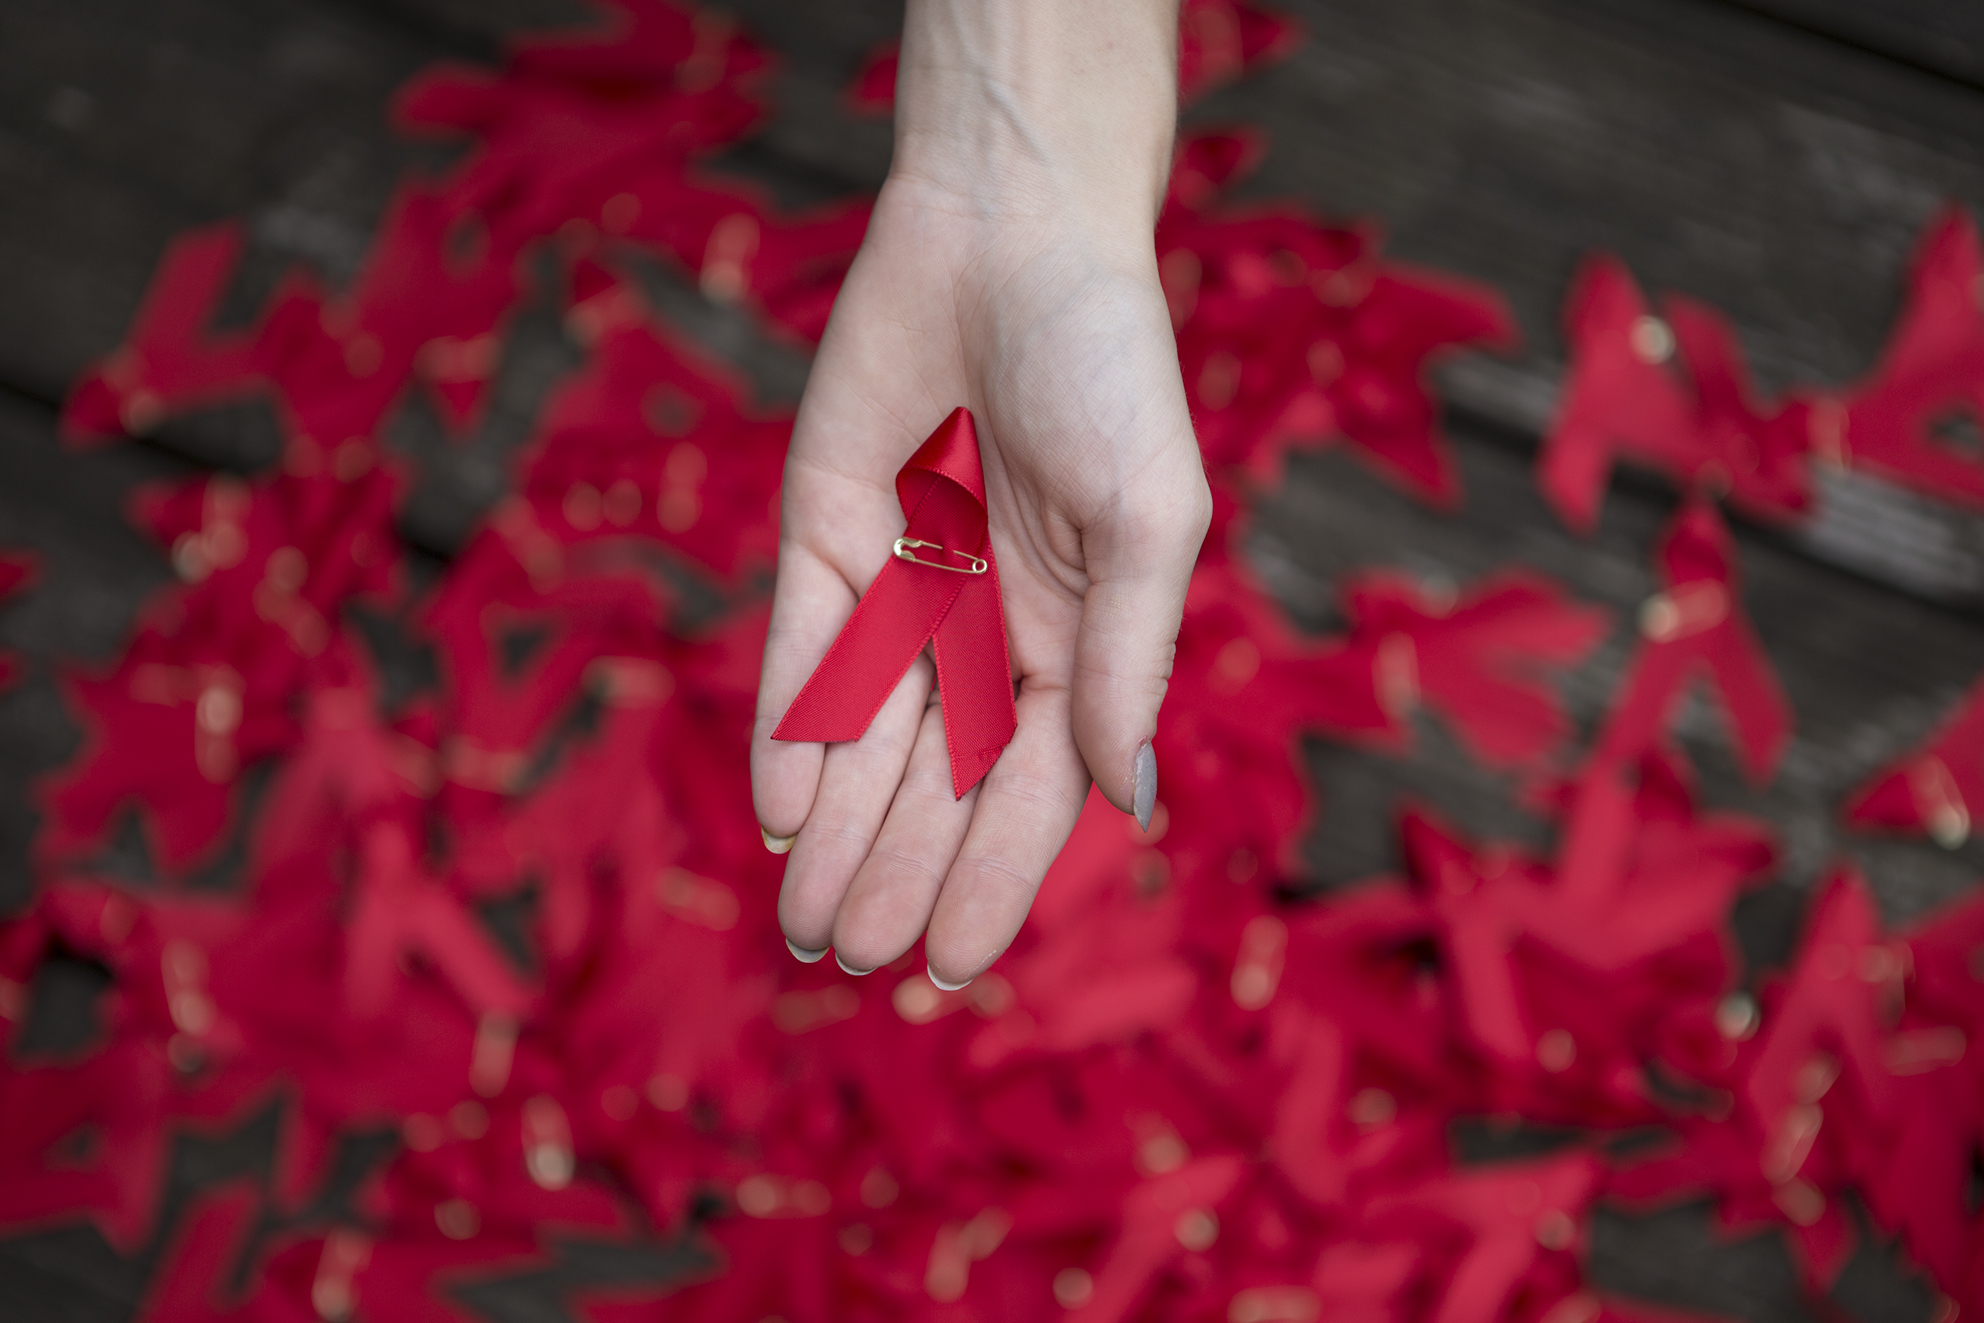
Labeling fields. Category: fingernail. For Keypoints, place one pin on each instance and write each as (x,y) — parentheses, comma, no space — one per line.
(947,987)
(779,845)
(802,955)
(1146,799)
(846,968)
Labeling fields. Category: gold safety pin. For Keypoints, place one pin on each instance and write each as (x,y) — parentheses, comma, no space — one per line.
(903,552)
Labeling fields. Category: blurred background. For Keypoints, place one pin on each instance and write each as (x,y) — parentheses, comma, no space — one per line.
(1778,159)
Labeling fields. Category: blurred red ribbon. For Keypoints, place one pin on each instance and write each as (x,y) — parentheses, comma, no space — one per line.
(942,585)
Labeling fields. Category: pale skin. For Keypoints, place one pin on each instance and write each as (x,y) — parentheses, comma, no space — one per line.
(1008,268)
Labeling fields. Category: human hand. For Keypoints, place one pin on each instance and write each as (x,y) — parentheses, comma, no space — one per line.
(1009,267)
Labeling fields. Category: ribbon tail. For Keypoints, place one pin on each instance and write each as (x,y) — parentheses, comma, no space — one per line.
(1597,838)
(890,625)
(1753,700)
(975,680)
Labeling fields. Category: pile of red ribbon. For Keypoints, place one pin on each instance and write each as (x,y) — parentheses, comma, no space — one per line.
(1183,1093)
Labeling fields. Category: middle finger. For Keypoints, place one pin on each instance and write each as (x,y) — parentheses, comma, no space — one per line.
(892,895)
(858,781)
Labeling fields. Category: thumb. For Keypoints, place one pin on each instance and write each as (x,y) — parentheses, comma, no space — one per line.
(1140,564)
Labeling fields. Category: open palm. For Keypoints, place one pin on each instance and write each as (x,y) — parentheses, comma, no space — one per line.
(1058,341)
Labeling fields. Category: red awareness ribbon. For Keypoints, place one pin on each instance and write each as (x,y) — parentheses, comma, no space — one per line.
(941,585)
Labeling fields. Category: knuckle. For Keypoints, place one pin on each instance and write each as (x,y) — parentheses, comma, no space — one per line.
(1168,529)
(837,840)
(844,833)
(882,748)
(995,870)
(900,868)
(1043,798)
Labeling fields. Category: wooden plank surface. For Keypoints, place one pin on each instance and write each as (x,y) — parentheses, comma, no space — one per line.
(1780,174)
(1775,173)
(1867,671)
(1934,35)
(1781,171)
(127,122)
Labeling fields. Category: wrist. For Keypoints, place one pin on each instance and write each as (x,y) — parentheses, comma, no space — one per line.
(1039,110)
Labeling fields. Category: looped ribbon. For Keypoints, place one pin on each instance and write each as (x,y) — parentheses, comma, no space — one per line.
(941,587)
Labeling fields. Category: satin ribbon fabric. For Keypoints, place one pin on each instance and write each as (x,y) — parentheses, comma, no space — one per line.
(935,599)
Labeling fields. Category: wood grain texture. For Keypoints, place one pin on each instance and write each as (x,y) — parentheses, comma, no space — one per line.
(1867,671)
(1936,36)
(126,122)
(1778,174)
(1781,170)
(1774,172)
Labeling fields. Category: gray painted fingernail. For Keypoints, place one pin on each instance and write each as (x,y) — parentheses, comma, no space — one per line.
(779,845)
(947,987)
(802,955)
(1146,785)
(846,968)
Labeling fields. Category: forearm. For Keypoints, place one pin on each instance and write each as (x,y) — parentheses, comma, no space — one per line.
(1024,109)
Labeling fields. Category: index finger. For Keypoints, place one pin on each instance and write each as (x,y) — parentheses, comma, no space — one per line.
(809,605)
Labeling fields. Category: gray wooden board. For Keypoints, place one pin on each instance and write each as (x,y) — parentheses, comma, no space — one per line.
(1935,35)
(1780,174)
(1776,174)
(124,123)
(1867,671)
